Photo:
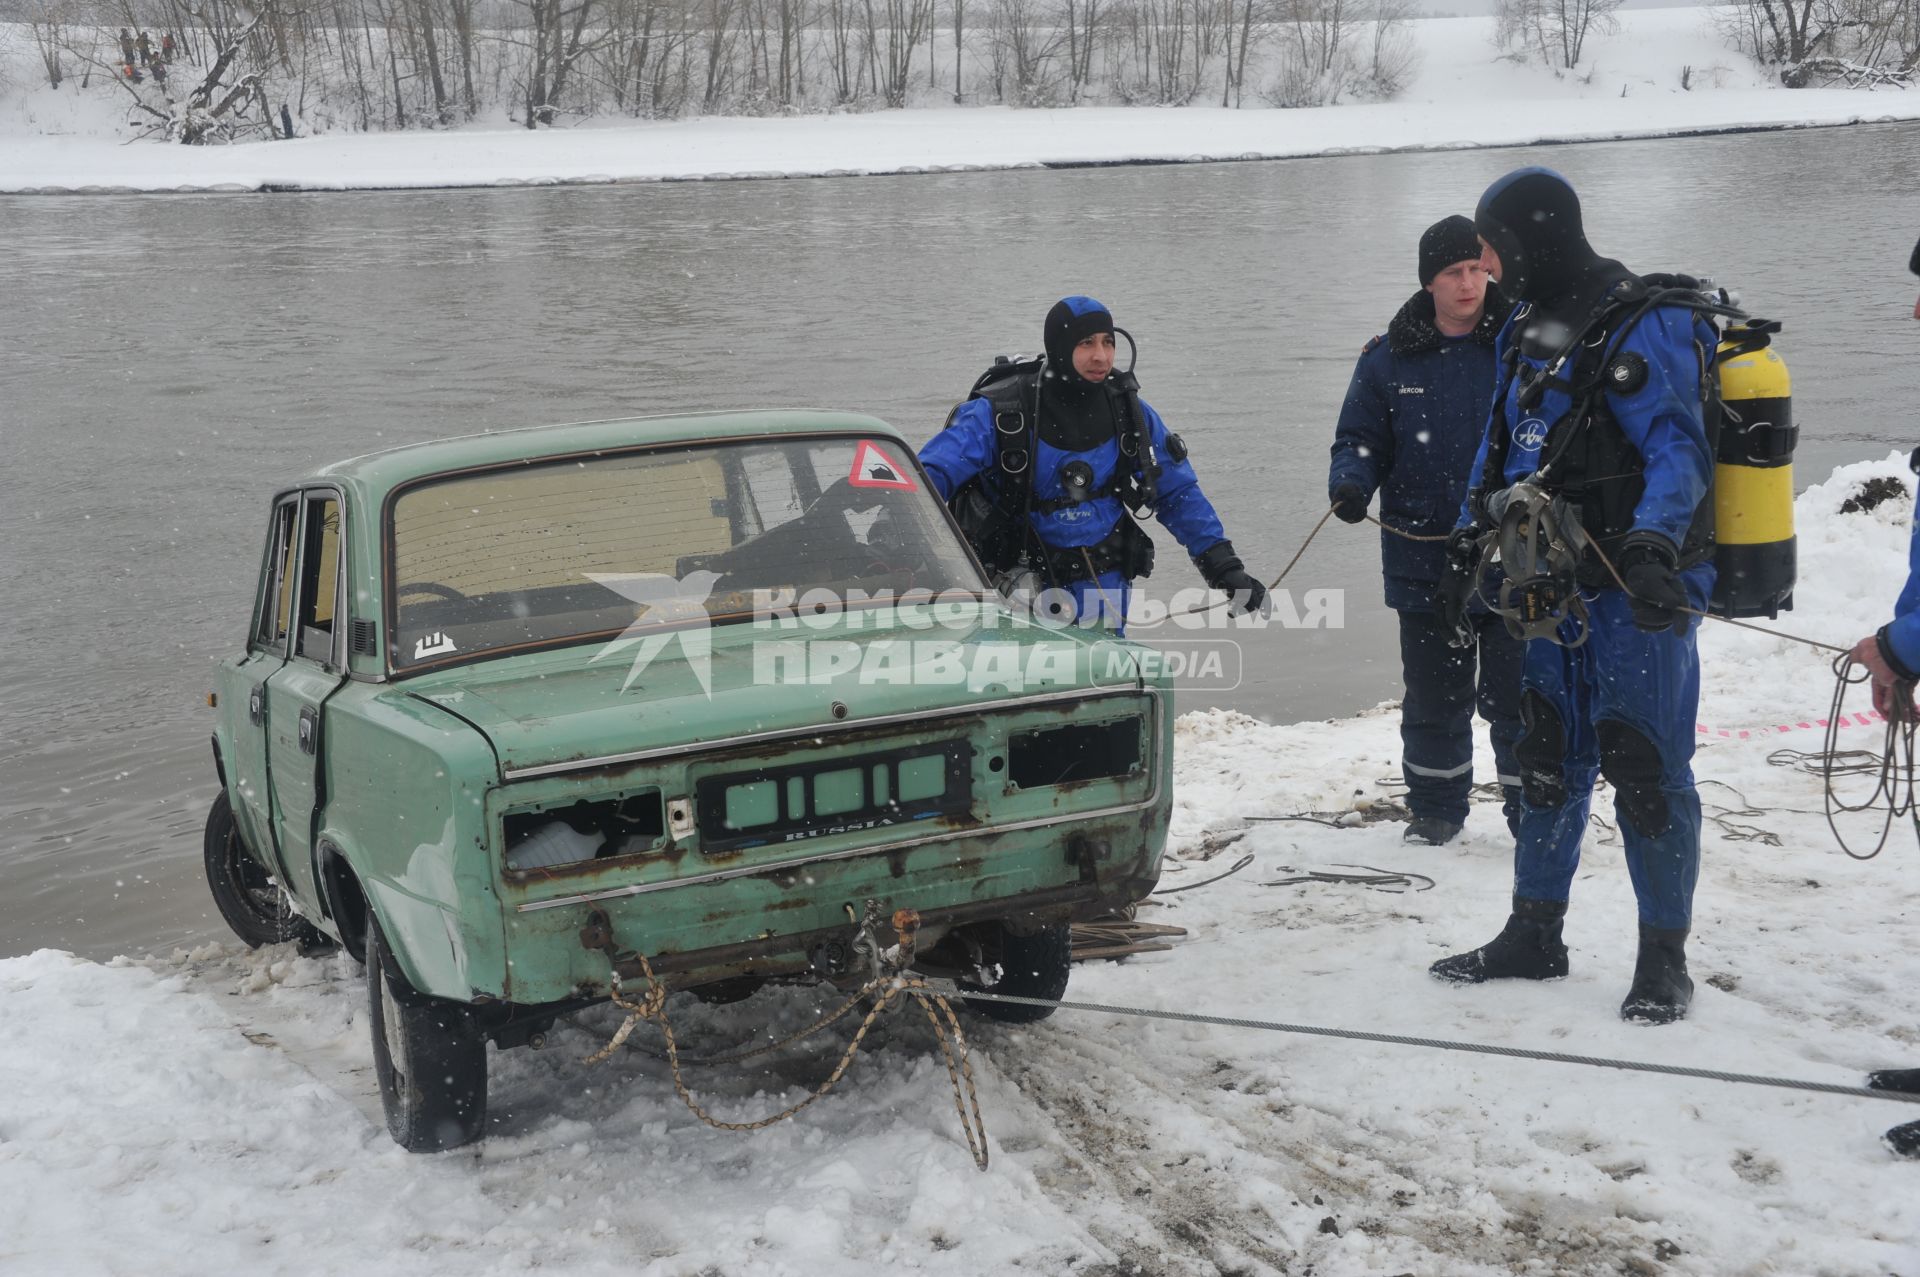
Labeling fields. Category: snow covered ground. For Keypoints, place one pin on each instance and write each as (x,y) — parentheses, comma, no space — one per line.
(216,1110)
(1462,96)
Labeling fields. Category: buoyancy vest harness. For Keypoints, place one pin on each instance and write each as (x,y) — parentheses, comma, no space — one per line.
(997,517)
(1588,485)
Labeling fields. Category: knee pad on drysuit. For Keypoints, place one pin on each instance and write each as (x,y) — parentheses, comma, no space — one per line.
(1541,751)
(1631,763)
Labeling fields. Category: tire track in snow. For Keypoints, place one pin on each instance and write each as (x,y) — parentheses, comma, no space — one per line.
(1227,1179)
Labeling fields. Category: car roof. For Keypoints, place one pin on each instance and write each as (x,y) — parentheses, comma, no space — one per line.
(378,472)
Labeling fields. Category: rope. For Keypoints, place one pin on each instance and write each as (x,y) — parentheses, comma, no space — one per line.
(1710,616)
(1402,532)
(1397,880)
(1273,584)
(1238,865)
(1892,768)
(1476,1048)
(886,991)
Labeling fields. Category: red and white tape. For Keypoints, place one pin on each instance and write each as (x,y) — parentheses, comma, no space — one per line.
(1869,718)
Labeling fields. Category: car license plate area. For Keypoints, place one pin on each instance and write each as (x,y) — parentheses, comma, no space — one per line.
(783,805)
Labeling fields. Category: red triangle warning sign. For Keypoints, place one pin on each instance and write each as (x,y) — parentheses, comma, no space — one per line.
(873,468)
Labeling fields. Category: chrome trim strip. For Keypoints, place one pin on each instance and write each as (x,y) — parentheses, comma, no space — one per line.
(749,871)
(795,733)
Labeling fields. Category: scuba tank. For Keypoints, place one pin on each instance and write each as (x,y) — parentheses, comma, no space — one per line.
(1755,555)
(1747,530)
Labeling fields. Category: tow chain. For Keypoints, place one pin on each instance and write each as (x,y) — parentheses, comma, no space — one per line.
(885,990)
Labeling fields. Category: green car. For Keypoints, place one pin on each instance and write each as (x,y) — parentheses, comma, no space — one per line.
(518,709)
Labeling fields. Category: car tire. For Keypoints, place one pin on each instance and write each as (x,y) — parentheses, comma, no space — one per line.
(249,899)
(430,1057)
(1034,966)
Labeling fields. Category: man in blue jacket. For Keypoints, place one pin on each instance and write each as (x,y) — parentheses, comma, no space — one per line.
(1051,459)
(1412,420)
(1892,656)
(1600,409)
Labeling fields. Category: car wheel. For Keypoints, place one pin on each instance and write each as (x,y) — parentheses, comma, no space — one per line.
(429,1055)
(1035,966)
(253,904)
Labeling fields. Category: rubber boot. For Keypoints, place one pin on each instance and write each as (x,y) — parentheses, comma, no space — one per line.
(1527,948)
(1903,1139)
(1895,1080)
(1661,989)
(1434,831)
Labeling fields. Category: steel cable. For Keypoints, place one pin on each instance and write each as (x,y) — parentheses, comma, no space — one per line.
(1442,1044)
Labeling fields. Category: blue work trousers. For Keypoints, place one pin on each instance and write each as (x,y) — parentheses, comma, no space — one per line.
(1444,684)
(1623,704)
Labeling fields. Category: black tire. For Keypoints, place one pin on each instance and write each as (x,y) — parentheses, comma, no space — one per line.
(430,1056)
(253,904)
(1035,966)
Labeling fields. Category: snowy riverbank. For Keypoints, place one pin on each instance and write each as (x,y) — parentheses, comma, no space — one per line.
(216,1110)
(1462,96)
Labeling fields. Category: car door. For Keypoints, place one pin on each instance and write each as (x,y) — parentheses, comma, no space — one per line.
(297,692)
(245,692)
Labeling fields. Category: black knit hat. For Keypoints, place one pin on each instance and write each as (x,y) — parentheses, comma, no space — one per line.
(1071,321)
(1449,240)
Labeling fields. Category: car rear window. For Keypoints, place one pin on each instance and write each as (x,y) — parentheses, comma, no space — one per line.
(580,548)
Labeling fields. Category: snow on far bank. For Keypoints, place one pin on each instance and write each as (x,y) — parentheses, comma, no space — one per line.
(1463,96)
(216,1110)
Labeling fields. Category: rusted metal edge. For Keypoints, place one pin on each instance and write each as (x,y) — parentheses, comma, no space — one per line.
(829,729)
(852,853)
(802,941)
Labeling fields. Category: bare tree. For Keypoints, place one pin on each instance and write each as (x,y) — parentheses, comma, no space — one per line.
(1859,42)
(557,37)
(1555,31)
(47,23)
(1024,46)
(894,31)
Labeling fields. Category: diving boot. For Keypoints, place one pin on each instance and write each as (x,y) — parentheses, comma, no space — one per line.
(1527,948)
(1661,989)
(1434,831)
(1895,1080)
(1903,1139)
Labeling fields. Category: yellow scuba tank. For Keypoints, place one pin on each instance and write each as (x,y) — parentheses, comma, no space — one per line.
(1755,559)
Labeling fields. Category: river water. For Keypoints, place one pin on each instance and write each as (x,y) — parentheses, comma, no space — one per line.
(170,360)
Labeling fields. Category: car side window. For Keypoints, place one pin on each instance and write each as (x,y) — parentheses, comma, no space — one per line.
(276,578)
(319,577)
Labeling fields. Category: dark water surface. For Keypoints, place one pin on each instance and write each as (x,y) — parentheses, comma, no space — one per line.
(169,361)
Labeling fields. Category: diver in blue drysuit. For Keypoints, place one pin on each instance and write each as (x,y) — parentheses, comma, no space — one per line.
(1076,531)
(1892,657)
(1623,704)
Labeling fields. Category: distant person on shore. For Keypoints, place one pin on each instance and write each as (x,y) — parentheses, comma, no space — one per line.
(159,70)
(1409,428)
(146,48)
(1892,656)
(166,47)
(1600,407)
(1051,457)
(126,47)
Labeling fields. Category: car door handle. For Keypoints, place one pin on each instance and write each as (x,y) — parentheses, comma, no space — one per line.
(309,729)
(257,704)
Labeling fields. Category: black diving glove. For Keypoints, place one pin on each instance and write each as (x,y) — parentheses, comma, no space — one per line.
(1458,580)
(1650,570)
(1221,568)
(1349,502)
